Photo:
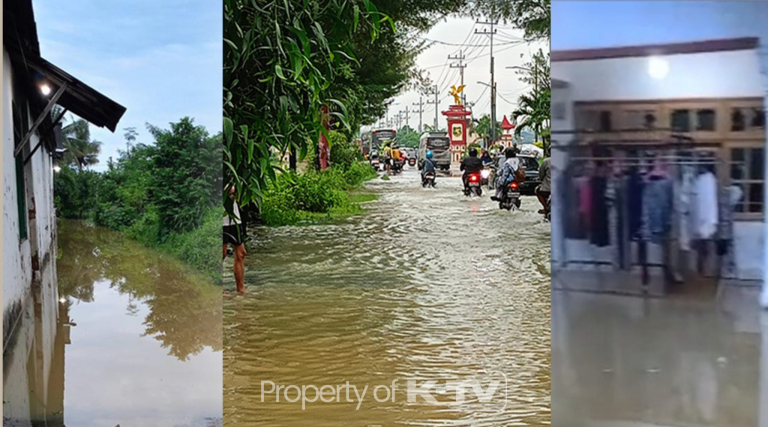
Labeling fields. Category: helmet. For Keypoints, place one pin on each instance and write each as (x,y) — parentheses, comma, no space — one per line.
(473,152)
(429,154)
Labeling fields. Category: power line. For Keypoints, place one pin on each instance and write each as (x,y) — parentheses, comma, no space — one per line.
(498,51)
(463,45)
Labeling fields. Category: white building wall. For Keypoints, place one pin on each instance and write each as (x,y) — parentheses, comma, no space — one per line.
(700,75)
(19,278)
(17,267)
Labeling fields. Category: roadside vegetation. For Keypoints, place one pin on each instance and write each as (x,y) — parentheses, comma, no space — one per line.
(298,69)
(293,198)
(165,194)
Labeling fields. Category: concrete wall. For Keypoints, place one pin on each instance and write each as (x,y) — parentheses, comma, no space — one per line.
(29,265)
(17,268)
(700,75)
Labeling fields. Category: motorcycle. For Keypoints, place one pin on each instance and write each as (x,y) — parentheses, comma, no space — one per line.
(395,167)
(428,180)
(485,175)
(473,184)
(375,164)
(412,161)
(492,176)
(511,197)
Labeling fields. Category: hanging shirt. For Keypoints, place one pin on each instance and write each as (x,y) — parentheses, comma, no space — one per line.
(685,208)
(599,220)
(706,218)
(635,203)
(657,208)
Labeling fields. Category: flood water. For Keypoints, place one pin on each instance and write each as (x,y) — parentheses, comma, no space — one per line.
(137,341)
(637,362)
(427,285)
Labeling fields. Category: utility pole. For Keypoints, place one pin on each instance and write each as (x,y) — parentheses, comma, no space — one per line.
(436,102)
(407,117)
(461,66)
(421,110)
(490,33)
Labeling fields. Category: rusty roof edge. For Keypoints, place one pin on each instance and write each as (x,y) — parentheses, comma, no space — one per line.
(105,113)
(701,46)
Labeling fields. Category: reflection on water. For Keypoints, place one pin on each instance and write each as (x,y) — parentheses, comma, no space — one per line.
(626,361)
(427,285)
(138,341)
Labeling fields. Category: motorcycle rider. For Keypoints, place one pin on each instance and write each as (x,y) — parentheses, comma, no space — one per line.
(470,164)
(386,154)
(397,156)
(545,189)
(486,158)
(508,170)
(429,165)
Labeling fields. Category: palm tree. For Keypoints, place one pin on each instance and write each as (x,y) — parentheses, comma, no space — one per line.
(534,111)
(482,128)
(81,150)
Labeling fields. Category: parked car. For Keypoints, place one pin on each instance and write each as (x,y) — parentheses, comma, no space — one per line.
(532,180)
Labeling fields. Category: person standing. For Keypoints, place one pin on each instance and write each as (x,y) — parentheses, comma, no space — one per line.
(545,189)
(234,234)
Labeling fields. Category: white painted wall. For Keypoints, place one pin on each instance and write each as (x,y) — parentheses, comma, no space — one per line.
(41,237)
(698,75)
(17,270)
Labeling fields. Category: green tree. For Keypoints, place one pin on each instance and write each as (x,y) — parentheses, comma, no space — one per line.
(408,137)
(186,175)
(280,61)
(532,16)
(81,151)
(482,127)
(532,113)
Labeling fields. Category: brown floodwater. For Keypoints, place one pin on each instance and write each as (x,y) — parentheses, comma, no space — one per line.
(676,361)
(135,340)
(427,285)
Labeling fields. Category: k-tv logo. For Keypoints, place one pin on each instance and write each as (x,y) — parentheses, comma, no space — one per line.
(488,389)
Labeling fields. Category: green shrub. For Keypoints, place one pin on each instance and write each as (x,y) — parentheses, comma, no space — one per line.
(294,198)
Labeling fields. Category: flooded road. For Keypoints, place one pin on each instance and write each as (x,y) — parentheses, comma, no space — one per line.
(137,341)
(634,362)
(427,285)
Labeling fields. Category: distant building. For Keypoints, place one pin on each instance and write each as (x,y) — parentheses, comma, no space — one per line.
(31,147)
(507,136)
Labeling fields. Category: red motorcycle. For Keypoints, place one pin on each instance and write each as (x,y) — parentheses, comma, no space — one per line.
(473,184)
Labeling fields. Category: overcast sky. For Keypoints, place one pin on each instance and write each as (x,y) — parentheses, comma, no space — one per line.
(159,59)
(584,24)
(508,49)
